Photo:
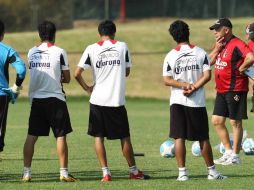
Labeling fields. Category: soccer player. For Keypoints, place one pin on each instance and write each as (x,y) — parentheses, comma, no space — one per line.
(49,68)
(186,70)
(8,56)
(110,62)
(250,37)
(231,57)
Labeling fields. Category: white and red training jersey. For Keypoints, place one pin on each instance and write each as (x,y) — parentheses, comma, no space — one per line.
(46,62)
(108,61)
(186,63)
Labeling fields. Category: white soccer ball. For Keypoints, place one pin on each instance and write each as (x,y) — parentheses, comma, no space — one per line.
(195,149)
(222,148)
(167,149)
(248,146)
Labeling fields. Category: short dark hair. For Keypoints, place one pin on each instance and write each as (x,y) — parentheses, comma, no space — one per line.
(107,28)
(47,30)
(1,28)
(179,30)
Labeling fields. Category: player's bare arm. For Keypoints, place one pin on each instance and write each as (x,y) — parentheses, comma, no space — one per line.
(169,81)
(81,81)
(65,76)
(248,61)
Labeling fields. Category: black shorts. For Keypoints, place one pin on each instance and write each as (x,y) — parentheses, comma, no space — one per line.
(110,122)
(49,113)
(4,103)
(189,123)
(232,105)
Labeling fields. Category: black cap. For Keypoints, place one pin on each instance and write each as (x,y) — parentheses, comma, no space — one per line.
(250,30)
(221,22)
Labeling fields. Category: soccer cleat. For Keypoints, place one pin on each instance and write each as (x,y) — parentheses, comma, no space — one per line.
(140,175)
(182,178)
(26,179)
(216,176)
(106,178)
(222,159)
(232,160)
(70,178)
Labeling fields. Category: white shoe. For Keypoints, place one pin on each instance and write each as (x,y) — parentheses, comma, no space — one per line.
(216,176)
(232,160)
(182,178)
(222,159)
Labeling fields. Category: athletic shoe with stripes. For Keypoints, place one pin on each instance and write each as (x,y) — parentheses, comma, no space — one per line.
(140,175)
(182,178)
(70,178)
(222,159)
(216,176)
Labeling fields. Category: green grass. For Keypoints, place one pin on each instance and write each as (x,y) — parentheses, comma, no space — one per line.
(149,120)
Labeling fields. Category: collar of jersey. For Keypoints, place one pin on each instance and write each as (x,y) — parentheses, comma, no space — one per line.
(101,42)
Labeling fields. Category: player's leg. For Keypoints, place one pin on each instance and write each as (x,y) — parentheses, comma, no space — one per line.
(180,154)
(206,151)
(102,157)
(4,102)
(178,131)
(237,135)
(96,129)
(59,120)
(28,152)
(128,153)
(221,130)
(252,99)
(237,105)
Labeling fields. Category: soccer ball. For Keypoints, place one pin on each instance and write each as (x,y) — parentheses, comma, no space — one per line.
(222,148)
(167,149)
(195,149)
(248,146)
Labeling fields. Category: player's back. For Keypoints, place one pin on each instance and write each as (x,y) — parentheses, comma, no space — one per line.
(45,62)
(109,60)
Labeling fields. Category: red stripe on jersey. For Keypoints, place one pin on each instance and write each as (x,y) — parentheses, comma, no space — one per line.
(178,47)
(100,42)
(50,44)
(227,75)
(113,41)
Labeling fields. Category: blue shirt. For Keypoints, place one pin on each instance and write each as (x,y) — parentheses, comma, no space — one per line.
(9,56)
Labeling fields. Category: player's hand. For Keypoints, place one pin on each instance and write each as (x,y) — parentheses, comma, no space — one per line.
(219,43)
(188,90)
(90,90)
(13,92)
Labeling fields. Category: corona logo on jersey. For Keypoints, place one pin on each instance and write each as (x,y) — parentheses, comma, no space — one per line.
(39,59)
(110,56)
(186,62)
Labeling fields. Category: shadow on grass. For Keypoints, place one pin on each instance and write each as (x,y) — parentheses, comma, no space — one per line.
(81,175)
(117,175)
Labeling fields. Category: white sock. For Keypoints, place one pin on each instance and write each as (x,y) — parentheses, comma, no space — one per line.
(105,171)
(229,151)
(212,170)
(235,155)
(27,172)
(134,170)
(182,171)
(64,172)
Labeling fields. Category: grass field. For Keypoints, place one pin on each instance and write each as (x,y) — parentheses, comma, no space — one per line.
(149,128)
